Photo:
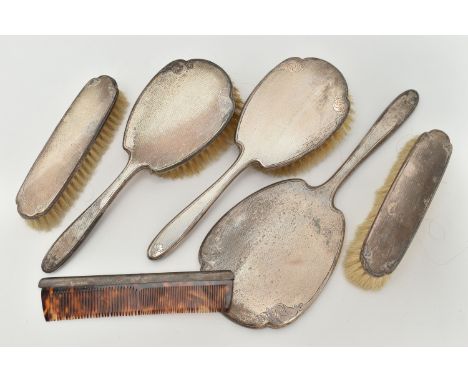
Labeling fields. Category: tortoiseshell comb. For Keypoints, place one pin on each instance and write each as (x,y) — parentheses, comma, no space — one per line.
(65,298)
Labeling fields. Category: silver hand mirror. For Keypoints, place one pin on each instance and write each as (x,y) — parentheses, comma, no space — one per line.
(183,108)
(290,113)
(282,242)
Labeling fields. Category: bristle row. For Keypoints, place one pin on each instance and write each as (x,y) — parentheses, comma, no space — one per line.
(85,169)
(87,302)
(214,149)
(316,156)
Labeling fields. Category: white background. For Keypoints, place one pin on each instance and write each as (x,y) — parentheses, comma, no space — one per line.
(424,303)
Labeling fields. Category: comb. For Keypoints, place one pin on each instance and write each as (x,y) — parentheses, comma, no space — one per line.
(66,298)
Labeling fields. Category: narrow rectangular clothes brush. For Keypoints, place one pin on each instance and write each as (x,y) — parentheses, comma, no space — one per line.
(399,207)
(65,298)
(71,153)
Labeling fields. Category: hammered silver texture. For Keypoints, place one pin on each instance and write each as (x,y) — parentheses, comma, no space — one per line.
(182,109)
(291,112)
(282,242)
(406,203)
(71,139)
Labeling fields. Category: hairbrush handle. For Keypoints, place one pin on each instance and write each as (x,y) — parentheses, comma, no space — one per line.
(76,232)
(390,120)
(173,233)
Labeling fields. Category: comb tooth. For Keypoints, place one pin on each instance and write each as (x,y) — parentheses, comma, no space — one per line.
(81,307)
(126,307)
(67,303)
(92,301)
(149,301)
(128,304)
(222,293)
(203,293)
(84,302)
(115,300)
(128,293)
(119,300)
(111,301)
(124,300)
(213,302)
(168,299)
(76,302)
(186,294)
(89,302)
(177,300)
(59,300)
(82,298)
(208,302)
(157,296)
(220,297)
(100,307)
(180,301)
(195,299)
(131,301)
(135,302)
(63,302)
(89,294)
(216,299)
(152,303)
(108,300)
(95,303)
(150,309)
(146,303)
(87,299)
(163,298)
(141,301)
(119,310)
(51,300)
(172,299)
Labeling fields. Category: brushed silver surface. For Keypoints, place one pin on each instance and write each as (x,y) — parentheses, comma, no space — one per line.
(182,109)
(283,242)
(406,203)
(71,139)
(290,113)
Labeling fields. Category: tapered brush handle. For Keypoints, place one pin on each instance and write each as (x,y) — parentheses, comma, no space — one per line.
(73,236)
(174,232)
(390,120)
